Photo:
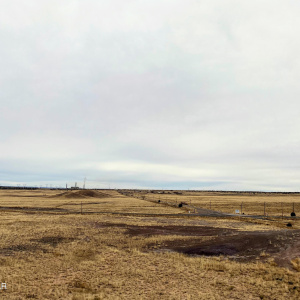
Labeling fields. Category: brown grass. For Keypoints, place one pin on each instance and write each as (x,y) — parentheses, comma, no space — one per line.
(296,264)
(52,256)
(273,204)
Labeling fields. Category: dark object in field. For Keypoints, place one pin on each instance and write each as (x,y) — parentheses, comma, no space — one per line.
(293,214)
(158,201)
(180,205)
(289,225)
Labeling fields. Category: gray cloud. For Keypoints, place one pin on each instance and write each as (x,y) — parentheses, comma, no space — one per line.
(193,94)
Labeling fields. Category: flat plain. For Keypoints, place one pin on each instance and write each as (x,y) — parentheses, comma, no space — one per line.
(126,244)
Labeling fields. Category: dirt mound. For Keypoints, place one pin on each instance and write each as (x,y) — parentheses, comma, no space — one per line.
(81,194)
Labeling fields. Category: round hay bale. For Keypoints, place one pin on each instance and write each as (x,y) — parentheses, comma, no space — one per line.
(293,214)
(289,225)
(180,205)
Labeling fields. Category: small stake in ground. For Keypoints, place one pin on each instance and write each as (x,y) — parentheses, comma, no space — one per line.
(293,214)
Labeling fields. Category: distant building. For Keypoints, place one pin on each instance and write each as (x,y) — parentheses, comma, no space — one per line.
(75,187)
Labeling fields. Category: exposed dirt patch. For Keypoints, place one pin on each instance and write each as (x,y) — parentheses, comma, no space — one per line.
(8,251)
(35,245)
(135,230)
(85,203)
(33,209)
(178,230)
(288,253)
(23,196)
(52,240)
(282,245)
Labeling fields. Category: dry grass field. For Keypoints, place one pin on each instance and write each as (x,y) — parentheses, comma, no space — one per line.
(72,201)
(271,204)
(48,250)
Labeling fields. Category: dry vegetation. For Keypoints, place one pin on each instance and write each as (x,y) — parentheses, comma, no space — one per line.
(71,201)
(50,254)
(273,204)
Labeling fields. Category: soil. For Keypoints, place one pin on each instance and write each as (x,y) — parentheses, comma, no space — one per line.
(281,245)
(134,230)
(33,209)
(35,245)
(81,194)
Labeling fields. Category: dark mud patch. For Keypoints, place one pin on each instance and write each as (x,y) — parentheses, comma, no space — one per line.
(22,196)
(135,230)
(52,240)
(32,209)
(85,203)
(282,246)
(8,251)
(244,246)
(35,245)
(178,230)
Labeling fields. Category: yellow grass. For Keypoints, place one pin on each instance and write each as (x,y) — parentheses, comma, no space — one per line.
(52,256)
(250,203)
(115,202)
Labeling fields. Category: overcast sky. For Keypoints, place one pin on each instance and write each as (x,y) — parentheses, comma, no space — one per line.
(151,94)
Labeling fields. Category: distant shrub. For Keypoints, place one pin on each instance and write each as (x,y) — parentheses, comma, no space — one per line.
(289,225)
(293,214)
